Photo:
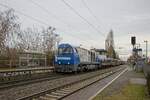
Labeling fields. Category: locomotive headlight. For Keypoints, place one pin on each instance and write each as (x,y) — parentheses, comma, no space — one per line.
(59,62)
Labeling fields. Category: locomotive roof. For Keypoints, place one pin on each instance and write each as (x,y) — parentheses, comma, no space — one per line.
(65,45)
(69,45)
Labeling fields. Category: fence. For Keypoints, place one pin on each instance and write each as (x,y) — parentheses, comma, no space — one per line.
(13,75)
(147,75)
(9,63)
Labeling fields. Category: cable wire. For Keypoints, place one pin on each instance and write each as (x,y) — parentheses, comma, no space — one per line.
(37,20)
(90,11)
(85,20)
(48,12)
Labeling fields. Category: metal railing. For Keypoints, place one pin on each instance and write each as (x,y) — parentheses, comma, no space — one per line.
(9,63)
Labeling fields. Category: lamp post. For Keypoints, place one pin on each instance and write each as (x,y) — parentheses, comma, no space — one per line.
(146,49)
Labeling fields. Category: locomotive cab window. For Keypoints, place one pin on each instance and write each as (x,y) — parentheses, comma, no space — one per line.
(65,50)
(75,50)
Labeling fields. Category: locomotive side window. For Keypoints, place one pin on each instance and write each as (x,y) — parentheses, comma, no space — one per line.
(64,50)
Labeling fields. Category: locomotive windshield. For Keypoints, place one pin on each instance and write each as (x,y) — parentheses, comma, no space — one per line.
(64,50)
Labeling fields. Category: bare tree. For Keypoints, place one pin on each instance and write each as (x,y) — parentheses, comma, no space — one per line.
(33,39)
(8,26)
(50,39)
(12,38)
(30,39)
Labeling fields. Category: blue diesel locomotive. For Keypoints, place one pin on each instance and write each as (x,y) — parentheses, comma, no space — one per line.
(73,59)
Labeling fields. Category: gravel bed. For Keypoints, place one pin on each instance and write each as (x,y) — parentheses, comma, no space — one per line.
(21,91)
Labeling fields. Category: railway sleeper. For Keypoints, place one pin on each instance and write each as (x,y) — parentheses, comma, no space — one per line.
(66,90)
(61,91)
(58,94)
(53,96)
(46,98)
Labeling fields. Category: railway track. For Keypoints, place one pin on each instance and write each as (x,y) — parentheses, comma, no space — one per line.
(68,89)
(22,82)
(30,81)
(14,77)
(52,76)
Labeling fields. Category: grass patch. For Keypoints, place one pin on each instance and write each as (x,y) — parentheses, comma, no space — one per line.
(129,92)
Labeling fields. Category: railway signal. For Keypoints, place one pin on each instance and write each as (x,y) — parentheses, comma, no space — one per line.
(133,40)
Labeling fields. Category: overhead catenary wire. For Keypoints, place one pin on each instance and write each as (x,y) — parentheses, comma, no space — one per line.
(35,19)
(28,16)
(54,16)
(90,11)
(84,19)
(48,12)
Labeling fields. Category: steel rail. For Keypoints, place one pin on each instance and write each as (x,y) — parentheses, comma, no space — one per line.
(43,93)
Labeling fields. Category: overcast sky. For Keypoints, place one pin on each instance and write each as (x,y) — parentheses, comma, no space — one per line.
(125,17)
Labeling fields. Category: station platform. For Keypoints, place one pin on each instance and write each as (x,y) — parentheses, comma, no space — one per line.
(115,88)
(131,85)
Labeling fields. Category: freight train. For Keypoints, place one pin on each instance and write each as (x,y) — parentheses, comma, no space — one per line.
(73,59)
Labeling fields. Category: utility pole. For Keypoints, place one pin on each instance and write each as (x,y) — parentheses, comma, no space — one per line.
(146,49)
